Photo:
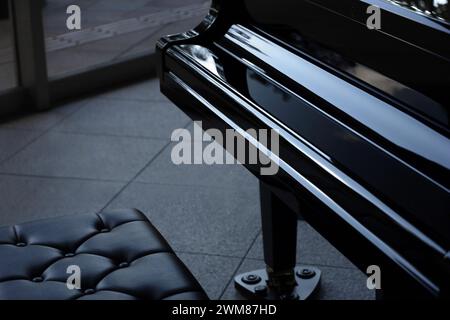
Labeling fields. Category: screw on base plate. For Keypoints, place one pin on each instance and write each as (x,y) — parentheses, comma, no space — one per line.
(251,279)
(306,273)
(256,285)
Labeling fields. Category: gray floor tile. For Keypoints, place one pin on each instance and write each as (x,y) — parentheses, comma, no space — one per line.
(198,219)
(164,171)
(127,118)
(34,121)
(144,91)
(344,284)
(26,199)
(43,120)
(312,248)
(212,272)
(12,141)
(336,283)
(84,156)
(69,108)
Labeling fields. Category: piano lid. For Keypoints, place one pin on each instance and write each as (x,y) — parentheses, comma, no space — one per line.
(406,60)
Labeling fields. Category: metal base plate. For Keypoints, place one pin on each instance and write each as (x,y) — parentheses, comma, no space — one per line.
(253,285)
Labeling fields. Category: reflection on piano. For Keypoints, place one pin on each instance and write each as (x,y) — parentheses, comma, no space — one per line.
(363,118)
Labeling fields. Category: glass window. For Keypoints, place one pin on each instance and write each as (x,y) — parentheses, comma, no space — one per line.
(112,30)
(7,56)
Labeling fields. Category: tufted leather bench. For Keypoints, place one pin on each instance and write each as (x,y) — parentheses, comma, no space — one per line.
(120,255)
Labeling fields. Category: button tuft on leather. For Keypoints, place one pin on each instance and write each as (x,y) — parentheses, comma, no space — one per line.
(71,240)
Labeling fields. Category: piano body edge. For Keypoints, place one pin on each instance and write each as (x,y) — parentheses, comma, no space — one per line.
(365,225)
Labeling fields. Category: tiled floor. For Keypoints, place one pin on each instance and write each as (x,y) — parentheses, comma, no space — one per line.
(113,151)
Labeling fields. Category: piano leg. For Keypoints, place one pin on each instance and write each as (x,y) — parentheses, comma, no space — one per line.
(281,279)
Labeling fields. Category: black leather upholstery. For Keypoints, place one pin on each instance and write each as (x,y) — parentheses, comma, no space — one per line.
(120,254)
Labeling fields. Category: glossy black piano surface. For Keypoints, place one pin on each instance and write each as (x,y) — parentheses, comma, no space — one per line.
(363,117)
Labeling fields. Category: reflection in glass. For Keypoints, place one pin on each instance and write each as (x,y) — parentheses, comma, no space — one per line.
(7,62)
(433,8)
(113,30)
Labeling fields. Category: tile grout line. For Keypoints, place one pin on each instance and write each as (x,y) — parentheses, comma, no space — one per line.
(103,96)
(20,175)
(27,175)
(79,133)
(44,132)
(135,177)
(6,128)
(139,173)
(206,254)
(314,265)
(240,264)
(204,186)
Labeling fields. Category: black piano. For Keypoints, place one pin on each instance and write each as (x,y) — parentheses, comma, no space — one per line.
(363,121)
